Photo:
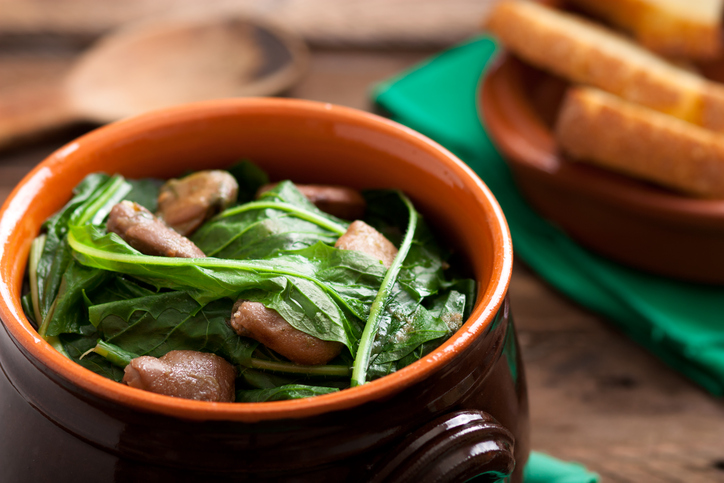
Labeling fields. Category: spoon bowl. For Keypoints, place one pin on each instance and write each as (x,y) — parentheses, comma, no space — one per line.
(161,63)
(180,61)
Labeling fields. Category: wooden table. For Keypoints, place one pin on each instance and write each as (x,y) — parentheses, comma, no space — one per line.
(596,397)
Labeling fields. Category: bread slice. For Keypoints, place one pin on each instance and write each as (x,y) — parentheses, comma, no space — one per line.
(584,52)
(599,128)
(675,28)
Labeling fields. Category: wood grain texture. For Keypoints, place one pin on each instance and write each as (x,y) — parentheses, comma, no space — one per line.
(320,22)
(596,397)
(600,399)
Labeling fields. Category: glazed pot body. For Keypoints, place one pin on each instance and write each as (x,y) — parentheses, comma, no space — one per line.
(55,431)
(460,411)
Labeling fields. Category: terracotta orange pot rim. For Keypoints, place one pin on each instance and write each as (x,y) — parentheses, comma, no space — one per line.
(30,342)
(510,127)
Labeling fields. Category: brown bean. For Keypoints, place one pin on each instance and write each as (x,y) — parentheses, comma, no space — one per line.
(185,203)
(363,238)
(254,320)
(338,201)
(147,234)
(184,373)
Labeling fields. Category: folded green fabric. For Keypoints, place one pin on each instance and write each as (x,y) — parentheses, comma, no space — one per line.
(682,323)
(542,468)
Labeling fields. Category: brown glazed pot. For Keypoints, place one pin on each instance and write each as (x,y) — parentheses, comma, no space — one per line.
(459,412)
(627,220)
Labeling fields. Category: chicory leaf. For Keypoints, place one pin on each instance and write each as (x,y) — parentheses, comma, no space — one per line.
(156,324)
(114,354)
(406,326)
(264,234)
(264,380)
(144,192)
(422,272)
(88,195)
(322,291)
(78,346)
(60,282)
(362,357)
(27,304)
(282,219)
(117,287)
(277,251)
(289,391)
(68,314)
(249,177)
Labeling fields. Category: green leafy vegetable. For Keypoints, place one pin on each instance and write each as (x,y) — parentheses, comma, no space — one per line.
(60,281)
(56,254)
(289,391)
(282,220)
(290,368)
(102,303)
(362,359)
(114,354)
(36,252)
(319,290)
(79,348)
(156,324)
(249,178)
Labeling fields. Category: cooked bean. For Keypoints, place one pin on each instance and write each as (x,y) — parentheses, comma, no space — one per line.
(184,373)
(339,201)
(184,204)
(147,234)
(254,320)
(363,238)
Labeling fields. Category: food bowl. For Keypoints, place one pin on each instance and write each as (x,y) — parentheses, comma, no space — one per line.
(456,413)
(630,221)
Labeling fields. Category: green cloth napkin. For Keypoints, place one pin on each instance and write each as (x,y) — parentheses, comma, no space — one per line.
(682,323)
(542,468)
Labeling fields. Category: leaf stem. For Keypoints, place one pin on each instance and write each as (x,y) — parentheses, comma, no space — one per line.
(291,368)
(362,358)
(56,344)
(113,191)
(113,354)
(36,251)
(48,317)
(288,207)
(208,262)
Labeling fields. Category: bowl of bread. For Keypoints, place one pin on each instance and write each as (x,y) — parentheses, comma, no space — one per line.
(612,121)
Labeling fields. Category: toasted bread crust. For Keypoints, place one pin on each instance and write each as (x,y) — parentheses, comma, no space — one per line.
(584,52)
(599,128)
(690,30)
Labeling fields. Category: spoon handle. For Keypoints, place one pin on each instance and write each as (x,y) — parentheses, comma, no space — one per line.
(27,113)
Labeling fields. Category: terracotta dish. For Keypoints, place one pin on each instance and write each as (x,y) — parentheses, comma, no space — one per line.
(632,222)
(458,412)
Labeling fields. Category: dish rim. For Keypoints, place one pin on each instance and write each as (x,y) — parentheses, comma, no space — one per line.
(20,329)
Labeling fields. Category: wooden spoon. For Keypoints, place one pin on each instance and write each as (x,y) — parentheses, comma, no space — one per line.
(154,65)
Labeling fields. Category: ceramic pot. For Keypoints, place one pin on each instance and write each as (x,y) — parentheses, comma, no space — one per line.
(457,413)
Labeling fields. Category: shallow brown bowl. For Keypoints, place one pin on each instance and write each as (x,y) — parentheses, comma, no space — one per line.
(458,412)
(632,222)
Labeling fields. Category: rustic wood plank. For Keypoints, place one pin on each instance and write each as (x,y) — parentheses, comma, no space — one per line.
(321,22)
(600,399)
